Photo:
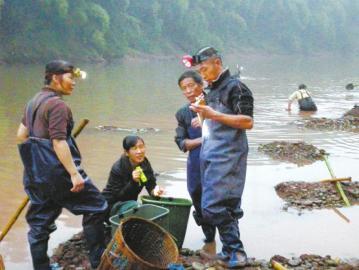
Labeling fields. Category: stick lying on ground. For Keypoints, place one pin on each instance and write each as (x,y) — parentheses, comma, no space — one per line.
(341,215)
(340,189)
(339,186)
(349,179)
(24,202)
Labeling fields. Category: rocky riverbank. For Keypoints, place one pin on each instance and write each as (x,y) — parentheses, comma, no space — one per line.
(299,153)
(318,195)
(72,255)
(348,122)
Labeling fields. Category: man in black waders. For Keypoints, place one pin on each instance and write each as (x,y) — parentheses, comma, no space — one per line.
(223,156)
(304,98)
(53,178)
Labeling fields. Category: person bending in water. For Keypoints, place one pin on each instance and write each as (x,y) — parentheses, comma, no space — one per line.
(305,101)
(129,175)
(189,138)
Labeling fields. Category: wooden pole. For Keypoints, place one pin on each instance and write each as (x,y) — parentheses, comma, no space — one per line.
(2,265)
(14,218)
(339,186)
(24,202)
(81,126)
(349,179)
(341,215)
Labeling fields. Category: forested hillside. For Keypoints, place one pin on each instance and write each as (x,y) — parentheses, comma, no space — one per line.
(94,29)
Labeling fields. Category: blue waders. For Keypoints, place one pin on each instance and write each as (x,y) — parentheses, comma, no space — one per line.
(223,166)
(48,185)
(307,103)
(194,186)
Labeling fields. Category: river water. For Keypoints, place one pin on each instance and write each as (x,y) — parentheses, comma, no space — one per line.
(143,94)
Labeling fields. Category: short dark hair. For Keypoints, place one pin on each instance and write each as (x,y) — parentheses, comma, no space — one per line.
(130,141)
(204,54)
(190,74)
(56,67)
(302,86)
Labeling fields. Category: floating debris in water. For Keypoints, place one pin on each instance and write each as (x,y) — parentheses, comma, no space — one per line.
(130,130)
(318,195)
(348,122)
(299,153)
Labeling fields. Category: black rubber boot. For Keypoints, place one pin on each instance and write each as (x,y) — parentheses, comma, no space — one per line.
(94,235)
(232,250)
(40,260)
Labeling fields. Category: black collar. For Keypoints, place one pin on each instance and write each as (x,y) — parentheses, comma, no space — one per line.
(221,80)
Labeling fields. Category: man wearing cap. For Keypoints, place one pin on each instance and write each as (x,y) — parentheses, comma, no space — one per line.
(53,178)
(228,113)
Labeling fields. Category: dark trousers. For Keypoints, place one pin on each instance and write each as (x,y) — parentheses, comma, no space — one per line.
(42,214)
(194,188)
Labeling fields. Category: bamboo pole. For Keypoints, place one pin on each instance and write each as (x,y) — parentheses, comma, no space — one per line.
(2,265)
(81,126)
(349,179)
(341,215)
(339,186)
(14,218)
(24,202)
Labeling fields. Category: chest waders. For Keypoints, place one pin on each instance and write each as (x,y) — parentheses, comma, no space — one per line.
(307,103)
(194,185)
(223,167)
(48,184)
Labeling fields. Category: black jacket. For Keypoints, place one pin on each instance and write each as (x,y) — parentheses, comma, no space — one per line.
(234,94)
(184,118)
(120,185)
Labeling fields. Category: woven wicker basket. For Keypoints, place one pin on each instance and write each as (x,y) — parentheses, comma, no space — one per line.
(139,244)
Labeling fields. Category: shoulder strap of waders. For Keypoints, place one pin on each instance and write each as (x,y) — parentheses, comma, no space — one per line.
(31,111)
(301,94)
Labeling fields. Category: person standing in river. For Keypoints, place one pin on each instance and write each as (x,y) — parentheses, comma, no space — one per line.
(223,157)
(189,138)
(304,98)
(53,178)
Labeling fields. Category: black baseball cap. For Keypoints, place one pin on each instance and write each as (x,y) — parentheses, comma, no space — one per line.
(59,67)
(204,54)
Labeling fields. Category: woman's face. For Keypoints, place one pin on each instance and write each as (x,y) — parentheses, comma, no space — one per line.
(136,154)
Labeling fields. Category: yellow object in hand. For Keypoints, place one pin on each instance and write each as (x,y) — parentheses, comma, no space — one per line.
(143,177)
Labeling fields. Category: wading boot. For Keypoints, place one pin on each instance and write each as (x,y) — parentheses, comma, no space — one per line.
(237,260)
(94,235)
(232,245)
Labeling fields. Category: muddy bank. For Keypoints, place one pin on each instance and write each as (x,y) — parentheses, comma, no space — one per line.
(348,122)
(71,255)
(299,153)
(318,195)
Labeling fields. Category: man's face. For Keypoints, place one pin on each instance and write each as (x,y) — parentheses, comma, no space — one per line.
(65,83)
(210,69)
(191,89)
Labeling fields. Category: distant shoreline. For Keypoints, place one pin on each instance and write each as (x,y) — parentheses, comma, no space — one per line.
(134,56)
